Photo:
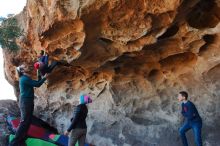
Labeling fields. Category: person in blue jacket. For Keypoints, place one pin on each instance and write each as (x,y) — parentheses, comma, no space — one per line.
(192,120)
(26,103)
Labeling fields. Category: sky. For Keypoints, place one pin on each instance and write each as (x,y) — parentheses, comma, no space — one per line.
(11,7)
(8,7)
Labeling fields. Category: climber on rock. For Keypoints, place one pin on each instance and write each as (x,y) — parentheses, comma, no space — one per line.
(192,120)
(42,66)
(26,102)
(78,127)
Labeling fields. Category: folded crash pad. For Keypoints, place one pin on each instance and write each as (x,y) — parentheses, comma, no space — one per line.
(37,122)
(39,142)
(34,142)
(40,133)
(33,131)
(40,123)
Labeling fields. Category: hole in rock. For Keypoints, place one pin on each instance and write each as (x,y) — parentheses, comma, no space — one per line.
(170,32)
(153,73)
(209,38)
(105,40)
(58,51)
(204,15)
(95,73)
(117,70)
(81,81)
(53,28)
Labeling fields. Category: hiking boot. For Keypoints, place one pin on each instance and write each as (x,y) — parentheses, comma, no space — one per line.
(62,62)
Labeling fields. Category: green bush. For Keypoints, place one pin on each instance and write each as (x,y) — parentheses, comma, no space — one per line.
(9,31)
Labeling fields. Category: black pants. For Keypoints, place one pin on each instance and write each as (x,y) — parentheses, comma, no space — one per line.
(51,67)
(26,109)
(47,69)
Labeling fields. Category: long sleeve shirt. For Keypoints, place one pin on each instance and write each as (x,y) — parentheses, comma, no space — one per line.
(79,118)
(27,85)
(190,112)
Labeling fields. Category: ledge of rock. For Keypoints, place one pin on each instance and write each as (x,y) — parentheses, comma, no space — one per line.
(133,56)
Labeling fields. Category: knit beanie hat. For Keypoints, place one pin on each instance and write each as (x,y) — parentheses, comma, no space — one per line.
(85,99)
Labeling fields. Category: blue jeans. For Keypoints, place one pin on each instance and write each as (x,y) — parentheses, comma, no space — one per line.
(197,130)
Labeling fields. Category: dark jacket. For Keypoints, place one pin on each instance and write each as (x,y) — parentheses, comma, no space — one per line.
(190,112)
(26,85)
(44,59)
(79,118)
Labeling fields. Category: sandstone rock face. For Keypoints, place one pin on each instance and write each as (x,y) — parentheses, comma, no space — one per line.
(132,56)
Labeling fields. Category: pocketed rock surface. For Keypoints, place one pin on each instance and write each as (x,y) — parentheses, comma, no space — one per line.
(133,57)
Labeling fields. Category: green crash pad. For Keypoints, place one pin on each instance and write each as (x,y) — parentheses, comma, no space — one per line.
(34,142)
